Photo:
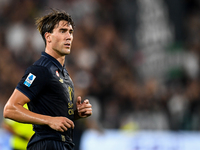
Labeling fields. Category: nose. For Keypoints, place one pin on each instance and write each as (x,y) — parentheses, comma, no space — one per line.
(69,36)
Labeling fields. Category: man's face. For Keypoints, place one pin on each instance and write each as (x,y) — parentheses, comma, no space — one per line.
(62,37)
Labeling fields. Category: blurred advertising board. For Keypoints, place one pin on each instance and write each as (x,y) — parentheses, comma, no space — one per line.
(140,140)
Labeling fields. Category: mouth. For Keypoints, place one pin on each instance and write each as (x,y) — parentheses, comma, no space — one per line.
(67,44)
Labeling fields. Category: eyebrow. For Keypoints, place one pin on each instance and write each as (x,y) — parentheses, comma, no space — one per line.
(66,29)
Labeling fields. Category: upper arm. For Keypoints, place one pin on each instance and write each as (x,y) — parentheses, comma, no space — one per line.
(17,99)
(31,84)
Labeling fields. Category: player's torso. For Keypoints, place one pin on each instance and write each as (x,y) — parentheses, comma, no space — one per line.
(56,99)
(61,91)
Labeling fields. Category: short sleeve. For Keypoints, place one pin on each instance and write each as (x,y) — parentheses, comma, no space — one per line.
(34,81)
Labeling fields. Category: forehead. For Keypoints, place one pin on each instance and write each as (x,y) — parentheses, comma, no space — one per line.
(63,24)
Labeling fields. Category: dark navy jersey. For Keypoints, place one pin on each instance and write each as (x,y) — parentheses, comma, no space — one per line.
(51,92)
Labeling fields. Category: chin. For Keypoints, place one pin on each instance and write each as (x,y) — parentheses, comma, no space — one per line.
(67,52)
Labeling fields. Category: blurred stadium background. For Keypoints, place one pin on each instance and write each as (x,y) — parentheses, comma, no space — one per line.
(136,60)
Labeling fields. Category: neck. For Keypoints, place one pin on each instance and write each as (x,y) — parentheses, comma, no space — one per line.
(56,55)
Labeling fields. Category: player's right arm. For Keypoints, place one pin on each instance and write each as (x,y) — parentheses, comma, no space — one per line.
(14,110)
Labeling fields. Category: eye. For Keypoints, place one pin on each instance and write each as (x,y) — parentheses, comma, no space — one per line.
(62,31)
(71,31)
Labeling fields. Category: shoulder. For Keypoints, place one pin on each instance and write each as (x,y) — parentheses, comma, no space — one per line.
(41,66)
(43,62)
(46,64)
(37,70)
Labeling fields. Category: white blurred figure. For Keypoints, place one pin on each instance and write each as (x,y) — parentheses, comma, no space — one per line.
(16,36)
(36,41)
(94,121)
(191,65)
(177,106)
(86,59)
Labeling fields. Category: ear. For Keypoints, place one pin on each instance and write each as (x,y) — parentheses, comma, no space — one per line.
(47,36)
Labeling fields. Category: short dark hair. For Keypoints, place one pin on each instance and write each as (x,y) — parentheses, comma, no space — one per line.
(48,22)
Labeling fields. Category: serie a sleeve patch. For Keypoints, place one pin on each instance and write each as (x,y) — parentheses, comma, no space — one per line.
(29,80)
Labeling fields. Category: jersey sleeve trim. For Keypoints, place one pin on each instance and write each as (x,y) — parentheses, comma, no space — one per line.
(25,93)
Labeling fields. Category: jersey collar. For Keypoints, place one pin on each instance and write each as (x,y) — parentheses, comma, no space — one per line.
(56,62)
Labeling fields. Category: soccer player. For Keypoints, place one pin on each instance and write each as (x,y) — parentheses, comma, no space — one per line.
(48,89)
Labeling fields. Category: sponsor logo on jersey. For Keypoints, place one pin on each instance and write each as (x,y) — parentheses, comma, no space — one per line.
(70,92)
(63,138)
(61,80)
(29,80)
